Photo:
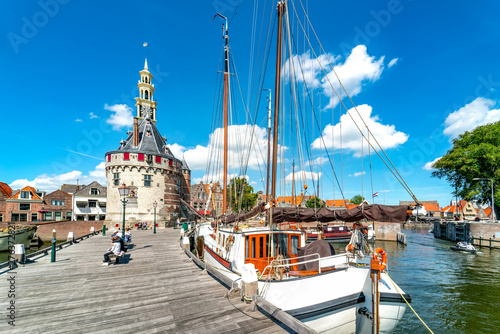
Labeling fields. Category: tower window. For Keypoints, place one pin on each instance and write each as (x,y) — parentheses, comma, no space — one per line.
(94,191)
(116,179)
(147,180)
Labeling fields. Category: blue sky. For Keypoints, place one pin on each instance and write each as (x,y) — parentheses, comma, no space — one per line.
(70,68)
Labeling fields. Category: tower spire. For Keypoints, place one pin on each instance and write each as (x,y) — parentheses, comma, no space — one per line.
(146,105)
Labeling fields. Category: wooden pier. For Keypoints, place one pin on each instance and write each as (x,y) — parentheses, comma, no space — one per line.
(155,289)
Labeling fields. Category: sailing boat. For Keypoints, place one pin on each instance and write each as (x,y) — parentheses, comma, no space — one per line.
(328,292)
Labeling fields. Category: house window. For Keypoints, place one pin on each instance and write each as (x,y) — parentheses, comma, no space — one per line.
(126,156)
(157,159)
(68,215)
(116,179)
(48,215)
(102,204)
(140,156)
(147,180)
(25,194)
(57,215)
(24,207)
(102,217)
(94,191)
(23,217)
(92,204)
(34,217)
(57,203)
(1,217)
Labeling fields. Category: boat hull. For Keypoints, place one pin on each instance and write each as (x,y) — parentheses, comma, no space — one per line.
(327,302)
(20,236)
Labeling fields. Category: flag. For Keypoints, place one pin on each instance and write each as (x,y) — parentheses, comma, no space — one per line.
(375,195)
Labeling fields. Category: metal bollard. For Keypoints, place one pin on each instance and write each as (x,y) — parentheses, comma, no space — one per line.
(104,230)
(53,253)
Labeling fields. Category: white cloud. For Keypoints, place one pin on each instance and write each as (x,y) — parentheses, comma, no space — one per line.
(303,176)
(53,182)
(358,174)
(478,112)
(78,120)
(239,137)
(429,165)
(316,162)
(357,69)
(386,135)
(92,115)
(392,62)
(120,117)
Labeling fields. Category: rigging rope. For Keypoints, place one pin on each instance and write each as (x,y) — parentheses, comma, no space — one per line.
(393,170)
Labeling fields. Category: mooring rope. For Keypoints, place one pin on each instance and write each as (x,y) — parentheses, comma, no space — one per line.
(399,291)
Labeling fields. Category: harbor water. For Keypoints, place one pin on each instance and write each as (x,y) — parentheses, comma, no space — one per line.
(453,292)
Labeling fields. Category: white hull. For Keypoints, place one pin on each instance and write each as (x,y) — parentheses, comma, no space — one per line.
(326,302)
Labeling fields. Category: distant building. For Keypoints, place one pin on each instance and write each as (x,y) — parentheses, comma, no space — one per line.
(199,198)
(5,193)
(464,210)
(25,205)
(145,164)
(89,203)
(57,206)
(71,188)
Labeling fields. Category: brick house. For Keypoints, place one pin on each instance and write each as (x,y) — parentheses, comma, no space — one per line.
(25,205)
(5,193)
(57,206)
(199,197)
(463,210)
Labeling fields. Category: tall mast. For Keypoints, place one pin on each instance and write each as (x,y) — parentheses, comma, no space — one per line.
(226,93)
(269,117)
(293,182)
(281,9)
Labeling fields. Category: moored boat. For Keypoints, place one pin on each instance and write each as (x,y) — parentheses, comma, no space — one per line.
(331,293)
(18,235)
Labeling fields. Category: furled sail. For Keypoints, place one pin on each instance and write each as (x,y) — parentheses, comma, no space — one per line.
(374,212)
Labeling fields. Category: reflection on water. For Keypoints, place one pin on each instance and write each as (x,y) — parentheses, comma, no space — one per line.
(453,292)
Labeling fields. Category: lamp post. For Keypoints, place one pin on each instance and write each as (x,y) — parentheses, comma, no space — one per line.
(154,224)
(124,191)
(43,213)
(493,216)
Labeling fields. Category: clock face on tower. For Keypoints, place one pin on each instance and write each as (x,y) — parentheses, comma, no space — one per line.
(145,111)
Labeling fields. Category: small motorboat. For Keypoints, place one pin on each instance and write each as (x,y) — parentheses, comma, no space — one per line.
(464,247)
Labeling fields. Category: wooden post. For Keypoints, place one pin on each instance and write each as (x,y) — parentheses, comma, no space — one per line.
(375,276)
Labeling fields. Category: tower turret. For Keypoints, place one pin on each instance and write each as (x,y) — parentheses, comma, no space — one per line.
(145,102)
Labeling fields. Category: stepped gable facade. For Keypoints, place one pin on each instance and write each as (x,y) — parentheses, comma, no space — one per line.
(145,164)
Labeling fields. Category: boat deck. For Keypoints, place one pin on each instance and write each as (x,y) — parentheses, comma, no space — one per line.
(156,289)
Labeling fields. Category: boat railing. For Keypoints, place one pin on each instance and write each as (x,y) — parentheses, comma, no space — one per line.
(323,262)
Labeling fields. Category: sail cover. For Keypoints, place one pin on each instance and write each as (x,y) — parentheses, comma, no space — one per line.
(374,212)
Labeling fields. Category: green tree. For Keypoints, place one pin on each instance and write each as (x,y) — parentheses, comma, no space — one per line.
(240,195)
(315,203)
(475,154)
(357,199)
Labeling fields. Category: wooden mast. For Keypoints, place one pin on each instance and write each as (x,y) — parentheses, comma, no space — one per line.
(281,8)
(226,93)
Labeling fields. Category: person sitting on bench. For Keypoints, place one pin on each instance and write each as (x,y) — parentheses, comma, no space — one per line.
(115,249)
(128,235)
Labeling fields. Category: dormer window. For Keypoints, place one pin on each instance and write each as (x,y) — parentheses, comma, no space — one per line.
(25,194)
(94,191)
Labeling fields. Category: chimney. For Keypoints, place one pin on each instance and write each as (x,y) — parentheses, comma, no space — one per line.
(136,133)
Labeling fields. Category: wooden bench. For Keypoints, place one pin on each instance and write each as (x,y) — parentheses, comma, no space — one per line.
(117,257)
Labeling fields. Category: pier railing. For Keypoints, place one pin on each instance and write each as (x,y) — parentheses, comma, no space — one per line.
(485,242)
(47,250)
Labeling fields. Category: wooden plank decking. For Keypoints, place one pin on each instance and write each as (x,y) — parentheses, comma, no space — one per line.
(156,289)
